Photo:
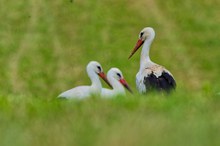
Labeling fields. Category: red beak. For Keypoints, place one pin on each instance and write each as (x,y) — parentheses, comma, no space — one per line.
(137,46)
(125,84)
(103,76)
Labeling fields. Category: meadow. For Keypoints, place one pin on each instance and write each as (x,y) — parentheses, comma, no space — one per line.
(46,45)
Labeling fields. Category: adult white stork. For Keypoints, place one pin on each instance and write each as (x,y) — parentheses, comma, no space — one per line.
(151,76)
(116,79)
(94,71)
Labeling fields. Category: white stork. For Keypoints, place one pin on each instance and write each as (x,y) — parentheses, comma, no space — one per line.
(116,79)
(94,71)
(151,75)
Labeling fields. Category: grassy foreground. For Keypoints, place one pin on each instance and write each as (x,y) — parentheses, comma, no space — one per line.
(177,120)
(45,46)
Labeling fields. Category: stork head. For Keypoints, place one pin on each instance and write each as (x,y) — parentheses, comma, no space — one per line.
(96,68)
(146,34)
(117,74)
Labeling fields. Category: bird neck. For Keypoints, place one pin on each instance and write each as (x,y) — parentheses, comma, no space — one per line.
(145,58)
(96,84)
(116,85)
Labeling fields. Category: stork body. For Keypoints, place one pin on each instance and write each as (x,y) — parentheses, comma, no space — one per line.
(94,70)
(151,76)
(117,81)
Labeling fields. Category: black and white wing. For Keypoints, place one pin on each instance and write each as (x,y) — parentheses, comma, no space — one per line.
(155,78)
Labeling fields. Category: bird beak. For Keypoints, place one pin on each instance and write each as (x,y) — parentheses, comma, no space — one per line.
(103,76)
(137,46)
(125,84)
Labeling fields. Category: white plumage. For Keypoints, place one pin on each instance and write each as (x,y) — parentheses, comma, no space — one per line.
(94,70)
(116,79)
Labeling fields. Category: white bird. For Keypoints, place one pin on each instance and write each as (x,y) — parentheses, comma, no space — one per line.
(94,71)
(151,76)
(116,79)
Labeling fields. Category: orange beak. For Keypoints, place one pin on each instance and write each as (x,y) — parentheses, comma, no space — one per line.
(137,46)
(103,76)
(125,84)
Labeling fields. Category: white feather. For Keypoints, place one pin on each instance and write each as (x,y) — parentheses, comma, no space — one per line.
(81,92)
(118,89)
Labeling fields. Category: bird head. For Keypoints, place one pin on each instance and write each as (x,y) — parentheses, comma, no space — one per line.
(146,34)
(97,68)
(117,74)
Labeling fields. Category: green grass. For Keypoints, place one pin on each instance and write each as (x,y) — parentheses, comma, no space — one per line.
(45,47)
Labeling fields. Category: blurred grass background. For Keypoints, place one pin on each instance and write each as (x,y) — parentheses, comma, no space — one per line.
(46,45)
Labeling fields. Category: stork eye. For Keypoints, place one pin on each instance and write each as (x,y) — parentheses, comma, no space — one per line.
(141,34)
(119,75)
(99,68)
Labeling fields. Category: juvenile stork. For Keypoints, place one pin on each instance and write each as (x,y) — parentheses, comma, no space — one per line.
(151,76)
(116,79)
(94,71)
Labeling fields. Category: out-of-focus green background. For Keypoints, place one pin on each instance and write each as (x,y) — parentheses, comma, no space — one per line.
(46,45)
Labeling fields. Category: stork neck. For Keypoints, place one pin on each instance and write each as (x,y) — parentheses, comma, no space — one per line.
(145,54)
(116,85)
(96,84)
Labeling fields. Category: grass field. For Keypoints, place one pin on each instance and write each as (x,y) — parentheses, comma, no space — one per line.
(46,45)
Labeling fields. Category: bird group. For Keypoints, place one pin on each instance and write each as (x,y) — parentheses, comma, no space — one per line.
(114,79)
(150,77)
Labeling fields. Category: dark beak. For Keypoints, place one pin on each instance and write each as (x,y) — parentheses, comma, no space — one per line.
(137,46)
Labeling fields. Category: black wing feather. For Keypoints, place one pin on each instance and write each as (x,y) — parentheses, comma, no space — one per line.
(151,82)
(169,79)
(165,82)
